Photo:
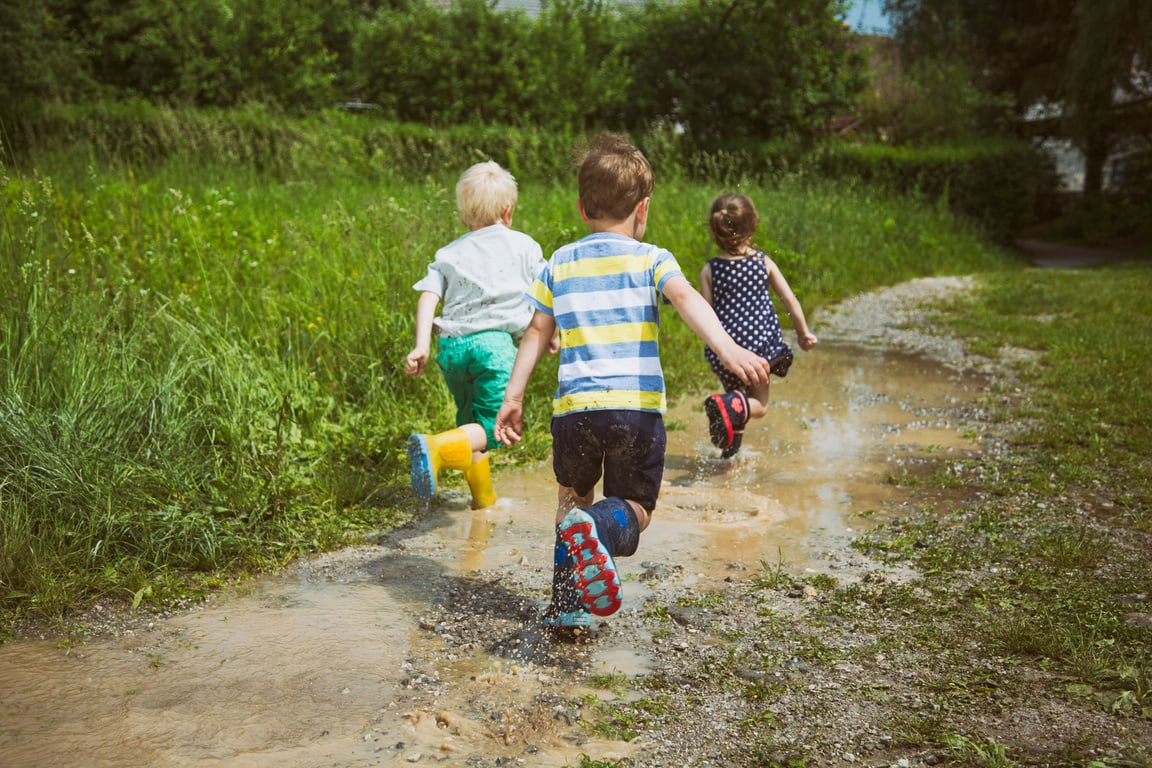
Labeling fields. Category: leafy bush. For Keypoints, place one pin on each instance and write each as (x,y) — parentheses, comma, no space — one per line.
(140,134)
(994,183)
(997,184)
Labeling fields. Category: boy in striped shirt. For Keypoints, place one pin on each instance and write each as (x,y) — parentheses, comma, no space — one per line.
(603,294)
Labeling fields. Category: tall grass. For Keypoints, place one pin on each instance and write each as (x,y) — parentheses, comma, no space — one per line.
(201,364)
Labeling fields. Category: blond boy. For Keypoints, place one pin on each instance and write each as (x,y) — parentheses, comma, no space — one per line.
(480,280)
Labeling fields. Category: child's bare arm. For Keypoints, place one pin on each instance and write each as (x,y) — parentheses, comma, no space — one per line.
(804,337)
(706,283)
(417,359)
(536,342)
(700,317)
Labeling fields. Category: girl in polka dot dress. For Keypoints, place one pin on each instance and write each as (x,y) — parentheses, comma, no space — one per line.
(736,284)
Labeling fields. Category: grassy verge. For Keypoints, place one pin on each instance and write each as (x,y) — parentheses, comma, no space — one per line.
(1046,568)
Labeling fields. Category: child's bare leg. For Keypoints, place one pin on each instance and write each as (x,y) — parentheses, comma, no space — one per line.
(568,500)
(477,439)
(642,516)
(758,402)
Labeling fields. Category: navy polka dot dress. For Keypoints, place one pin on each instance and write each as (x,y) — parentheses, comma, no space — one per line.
(743,302)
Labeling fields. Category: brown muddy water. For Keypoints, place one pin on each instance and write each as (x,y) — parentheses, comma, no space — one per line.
(340,662)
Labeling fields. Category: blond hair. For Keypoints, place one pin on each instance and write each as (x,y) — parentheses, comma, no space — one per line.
(483,193)
(614,177)
(732,221)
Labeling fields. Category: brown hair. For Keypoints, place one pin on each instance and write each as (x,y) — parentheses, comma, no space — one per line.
(733,220)
(614,177)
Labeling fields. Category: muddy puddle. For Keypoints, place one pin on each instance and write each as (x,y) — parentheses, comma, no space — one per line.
(412,651)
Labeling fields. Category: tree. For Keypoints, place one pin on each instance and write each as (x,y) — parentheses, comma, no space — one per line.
(1075,54)
(278,54)
(37,61)
(742,69)
(424,64)
(575,74)
(474,63)
(1109,58)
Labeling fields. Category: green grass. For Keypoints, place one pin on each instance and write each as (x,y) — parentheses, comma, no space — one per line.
(1091,395)
(1048,568)
(201,364)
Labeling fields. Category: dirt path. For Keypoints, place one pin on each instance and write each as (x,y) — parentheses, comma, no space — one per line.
(1051,255)
(424,647)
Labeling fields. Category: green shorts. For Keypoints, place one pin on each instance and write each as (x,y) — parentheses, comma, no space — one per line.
(476,369)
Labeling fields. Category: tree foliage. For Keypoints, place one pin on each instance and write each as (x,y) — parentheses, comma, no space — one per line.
(739,69)
(426,65)
(742,68)
(1081,56)
(38,59)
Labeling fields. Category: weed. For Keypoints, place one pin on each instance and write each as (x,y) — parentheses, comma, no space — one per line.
(1079,547)
(920,728)
(766,756)
(621,723)
(657,706)
(616,682)
(613,731)
(775,575)
(761,720)
(822,581)
(763,689)
(658,612)
(987,754)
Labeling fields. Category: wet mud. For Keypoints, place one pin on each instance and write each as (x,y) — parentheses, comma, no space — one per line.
(424,647)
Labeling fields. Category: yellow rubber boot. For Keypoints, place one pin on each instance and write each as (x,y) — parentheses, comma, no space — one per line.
(431,453)
(479,477)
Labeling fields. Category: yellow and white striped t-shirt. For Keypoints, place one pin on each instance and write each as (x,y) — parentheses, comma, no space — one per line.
(604,293)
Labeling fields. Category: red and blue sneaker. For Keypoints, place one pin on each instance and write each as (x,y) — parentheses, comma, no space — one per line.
(595,573)
(727,415)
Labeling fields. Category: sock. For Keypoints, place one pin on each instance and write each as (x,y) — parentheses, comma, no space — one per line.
(565,596)
(616,526)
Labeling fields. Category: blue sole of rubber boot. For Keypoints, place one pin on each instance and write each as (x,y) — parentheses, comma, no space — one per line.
(423,478)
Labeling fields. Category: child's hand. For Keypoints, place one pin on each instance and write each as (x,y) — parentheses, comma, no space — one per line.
(806,340)
(752,369)
(509,423)
(416,361)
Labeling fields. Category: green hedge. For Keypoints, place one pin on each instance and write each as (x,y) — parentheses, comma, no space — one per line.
(139,133)
(997,184)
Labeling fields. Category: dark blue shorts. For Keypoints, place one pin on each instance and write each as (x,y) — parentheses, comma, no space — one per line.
(625,447)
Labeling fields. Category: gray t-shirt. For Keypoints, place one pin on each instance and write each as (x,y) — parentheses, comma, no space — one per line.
(481,278)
